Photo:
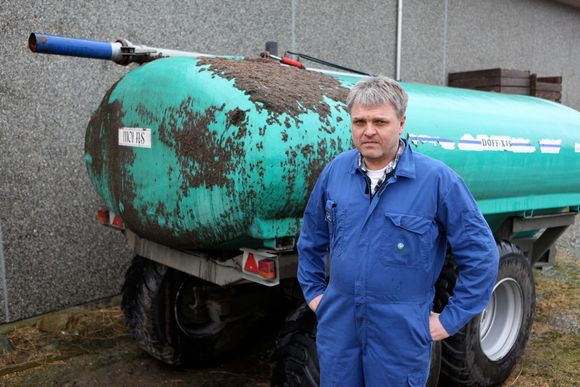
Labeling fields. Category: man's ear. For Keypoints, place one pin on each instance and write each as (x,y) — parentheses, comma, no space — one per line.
(403,120)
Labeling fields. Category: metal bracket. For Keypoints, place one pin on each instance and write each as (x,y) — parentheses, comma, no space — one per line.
(198,265)
(204,266)
(553,226)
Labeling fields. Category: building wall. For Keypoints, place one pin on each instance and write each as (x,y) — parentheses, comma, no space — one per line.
(54,254)
(446,36)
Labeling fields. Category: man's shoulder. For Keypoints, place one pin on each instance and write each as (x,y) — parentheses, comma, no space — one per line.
(344,160)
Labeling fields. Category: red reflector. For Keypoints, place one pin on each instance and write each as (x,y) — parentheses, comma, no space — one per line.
(251,265)
(103,216)
(117,222)
(267,268)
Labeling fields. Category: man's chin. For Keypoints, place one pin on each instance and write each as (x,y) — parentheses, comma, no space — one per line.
(369,154)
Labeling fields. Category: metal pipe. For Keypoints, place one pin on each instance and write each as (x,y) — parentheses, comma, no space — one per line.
(50,44)
(122,51)
(399,32)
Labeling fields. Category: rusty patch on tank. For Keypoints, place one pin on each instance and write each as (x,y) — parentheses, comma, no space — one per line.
(237,117)
(208,155)
(206,159)
(102,144)
(146,114)
(96,130)
(317,162)
(280,89)
(108,156)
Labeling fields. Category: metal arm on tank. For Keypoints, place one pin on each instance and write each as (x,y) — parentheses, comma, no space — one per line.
(121,51)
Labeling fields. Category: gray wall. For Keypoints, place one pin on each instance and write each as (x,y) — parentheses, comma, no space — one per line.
(359,35)
(446,36)
(54,252)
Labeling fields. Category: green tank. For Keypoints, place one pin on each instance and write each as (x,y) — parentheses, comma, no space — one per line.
(216,153)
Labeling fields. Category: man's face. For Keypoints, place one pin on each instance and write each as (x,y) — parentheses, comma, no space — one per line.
(375,133)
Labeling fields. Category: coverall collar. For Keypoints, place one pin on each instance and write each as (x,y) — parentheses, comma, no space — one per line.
(405,166)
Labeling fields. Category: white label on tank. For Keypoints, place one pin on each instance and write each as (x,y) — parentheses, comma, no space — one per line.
(135,137)
(483,142)
(550,146)
(577,148)
(522,145)
(434,140)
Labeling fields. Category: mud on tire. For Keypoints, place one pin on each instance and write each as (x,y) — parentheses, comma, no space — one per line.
(144,290)
(157,303)
(295,360)
(485,351)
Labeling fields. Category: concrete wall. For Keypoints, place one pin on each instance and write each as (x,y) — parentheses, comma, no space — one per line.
(446,36)
(359,35)
(54,254)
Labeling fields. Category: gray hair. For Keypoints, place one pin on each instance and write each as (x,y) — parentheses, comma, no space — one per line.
(374,91)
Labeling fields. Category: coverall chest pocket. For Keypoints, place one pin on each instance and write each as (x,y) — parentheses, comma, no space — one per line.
(406,242)
(332,221)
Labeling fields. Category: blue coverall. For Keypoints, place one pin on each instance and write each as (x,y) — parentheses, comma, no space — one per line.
(386,253)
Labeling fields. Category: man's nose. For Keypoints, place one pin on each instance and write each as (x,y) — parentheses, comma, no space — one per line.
(369,130)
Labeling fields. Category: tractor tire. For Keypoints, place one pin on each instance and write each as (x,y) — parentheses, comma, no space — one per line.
(157,303)
(295,359)
(485,351)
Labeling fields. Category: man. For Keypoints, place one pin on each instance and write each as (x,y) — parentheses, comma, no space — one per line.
(385,214)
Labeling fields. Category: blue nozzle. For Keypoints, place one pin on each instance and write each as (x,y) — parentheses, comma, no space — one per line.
(50,44)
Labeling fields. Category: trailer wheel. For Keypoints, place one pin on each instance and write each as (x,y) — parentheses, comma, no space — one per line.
(295,359)
(170,317)
(485,351)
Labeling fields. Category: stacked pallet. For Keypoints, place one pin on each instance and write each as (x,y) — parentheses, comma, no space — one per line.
(546,87)
(510,82)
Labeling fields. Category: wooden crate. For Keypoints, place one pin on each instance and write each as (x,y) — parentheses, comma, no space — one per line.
(498,80)
(506,89)
(509,81)
(546,87)
(489,73)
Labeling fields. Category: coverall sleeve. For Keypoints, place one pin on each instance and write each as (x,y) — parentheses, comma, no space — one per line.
(313,242)
(474,251)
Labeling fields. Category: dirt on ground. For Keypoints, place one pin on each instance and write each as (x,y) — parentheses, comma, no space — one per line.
(91,347)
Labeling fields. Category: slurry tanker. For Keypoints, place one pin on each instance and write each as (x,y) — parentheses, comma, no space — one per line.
(206,164)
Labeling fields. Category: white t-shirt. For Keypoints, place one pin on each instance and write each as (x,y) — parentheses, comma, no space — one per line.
(375,176)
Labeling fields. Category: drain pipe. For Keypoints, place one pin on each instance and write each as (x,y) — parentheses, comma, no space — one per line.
(3,278)
(399,32)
